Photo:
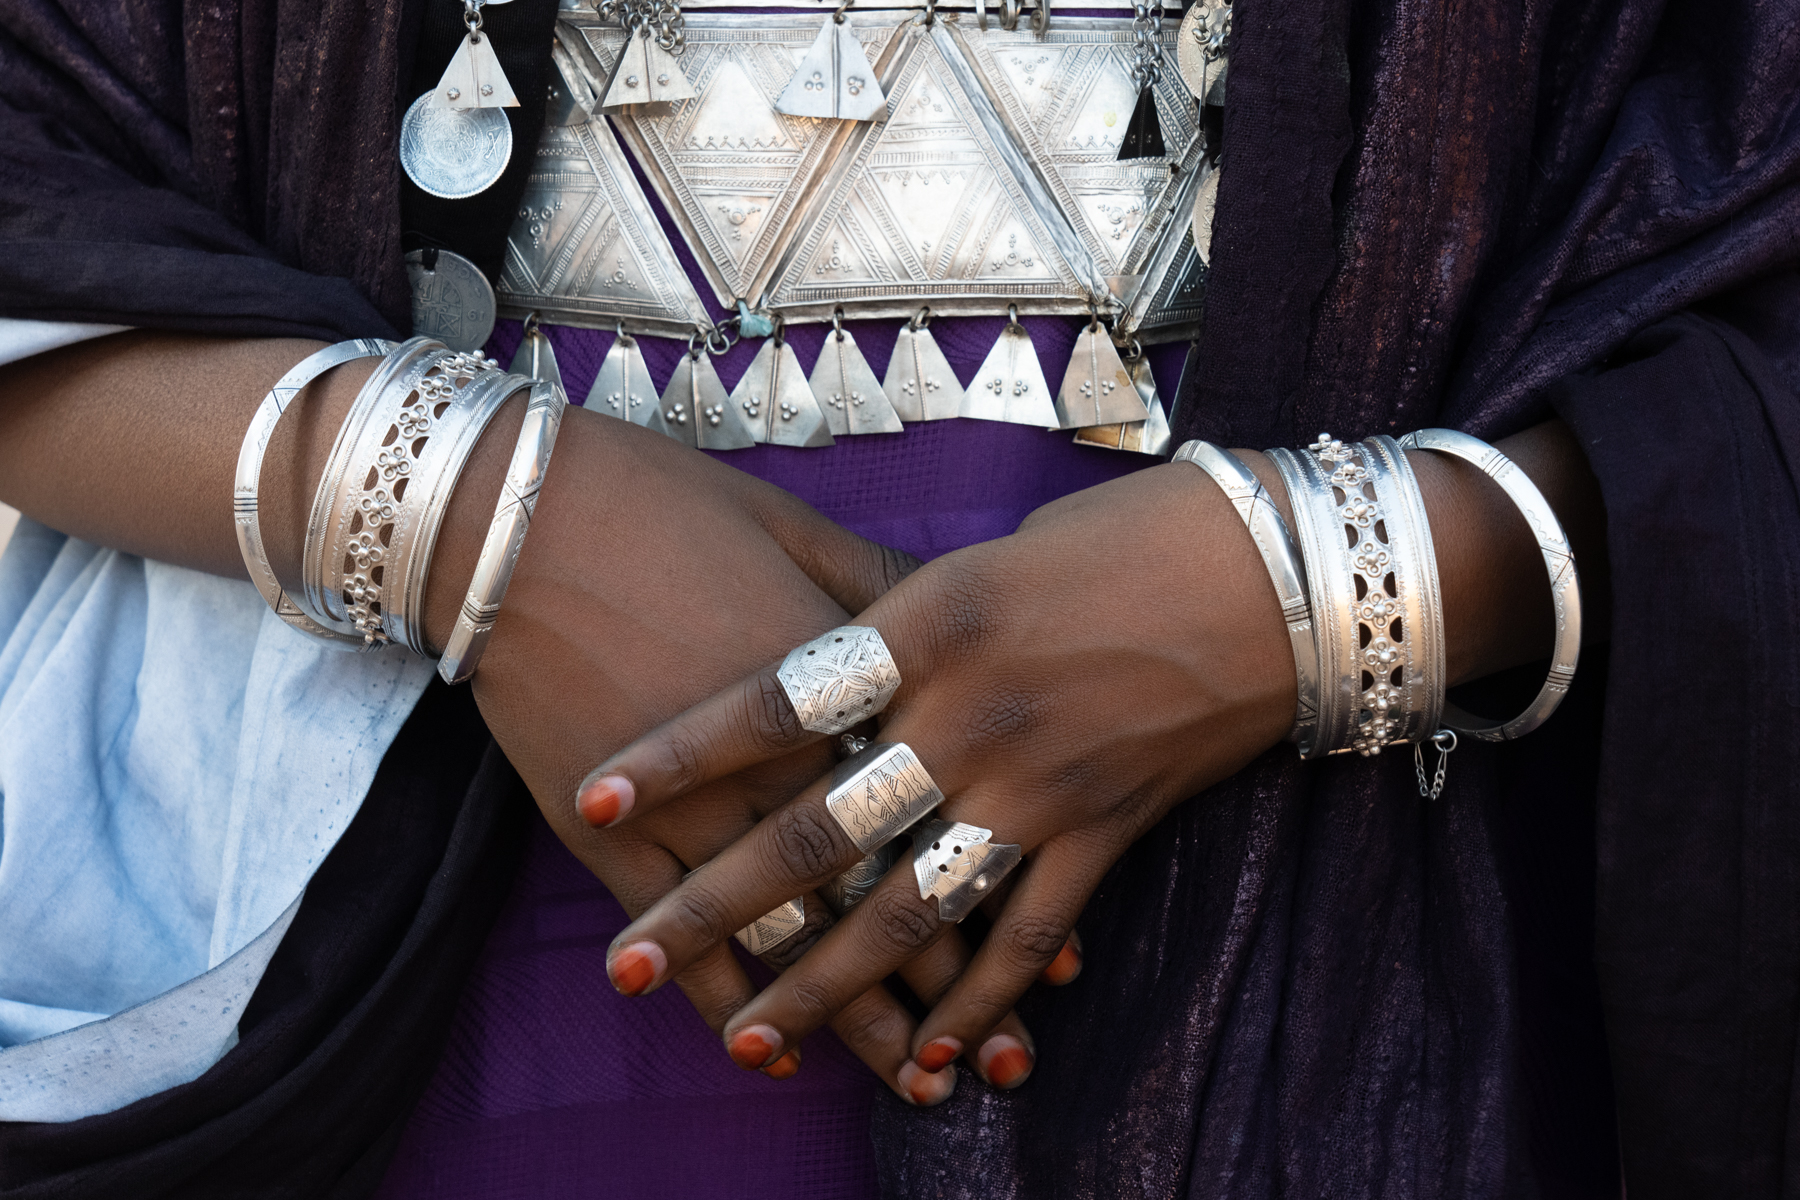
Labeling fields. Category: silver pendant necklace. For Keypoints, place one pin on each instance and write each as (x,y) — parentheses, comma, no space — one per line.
(455,141)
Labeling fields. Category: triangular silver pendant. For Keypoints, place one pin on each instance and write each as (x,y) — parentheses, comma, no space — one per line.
(1149,436)
(572,97)
(774,395)
(834,79)
(623,388)
(697,410)
(1143,133)
(920,384)
(646,74)
(844,383)
(1010,385)
(537,359)
(1097,389)
(474,78)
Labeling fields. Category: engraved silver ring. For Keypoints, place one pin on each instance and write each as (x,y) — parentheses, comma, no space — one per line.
(839,679)
(879,792)
(959,864)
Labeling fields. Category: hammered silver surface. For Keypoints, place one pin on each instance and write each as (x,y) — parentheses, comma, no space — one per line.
(454,153)
(1010,385)
(645,74)
(453,302)
(845,385)
(777,402)
(586,249)
(698,411)
(834,80)
(623,388)
(880,792)
(960,865)
(920,383)
(1096,388)
(839,679)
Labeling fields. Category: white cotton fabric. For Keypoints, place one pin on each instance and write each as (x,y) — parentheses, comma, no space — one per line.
(174,764)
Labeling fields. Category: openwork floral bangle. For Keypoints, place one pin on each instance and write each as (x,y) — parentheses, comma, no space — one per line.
(1559,564)
(249,475)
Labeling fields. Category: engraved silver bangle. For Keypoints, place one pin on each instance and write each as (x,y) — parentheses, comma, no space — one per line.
(315,597)
(1331,594)
(450,441)
(506,533)
(1559,564)
(249,476)
(1420,630)
(1287,571)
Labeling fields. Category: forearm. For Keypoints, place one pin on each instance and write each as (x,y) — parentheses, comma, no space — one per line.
(1497,611)
(132,441)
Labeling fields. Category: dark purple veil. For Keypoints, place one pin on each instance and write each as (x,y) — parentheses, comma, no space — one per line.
(1307,981)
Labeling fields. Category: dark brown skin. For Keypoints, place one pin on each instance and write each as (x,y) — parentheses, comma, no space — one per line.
(1055,695)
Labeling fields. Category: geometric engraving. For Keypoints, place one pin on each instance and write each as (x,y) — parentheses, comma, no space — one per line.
(731,170)
(960,865)
(1170,303)
(1066,98)
(930,207)
(839,679)
(878,793)
(586,249)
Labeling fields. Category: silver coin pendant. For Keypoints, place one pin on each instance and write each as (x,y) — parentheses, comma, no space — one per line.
(452,302)
(454,153)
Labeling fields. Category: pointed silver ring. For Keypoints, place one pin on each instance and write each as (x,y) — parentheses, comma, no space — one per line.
(960,864)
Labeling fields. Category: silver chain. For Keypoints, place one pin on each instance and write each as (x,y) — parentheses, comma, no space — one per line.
(1445,741)
(663,17)
(1146,26)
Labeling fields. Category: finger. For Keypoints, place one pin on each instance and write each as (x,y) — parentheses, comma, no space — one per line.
(880,1031)
(851,569)
(1067,963)
(931,976)
(1028,937)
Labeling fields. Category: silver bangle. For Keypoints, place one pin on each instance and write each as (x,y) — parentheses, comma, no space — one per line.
(1287,571)
(1420,632)
(249,475)
(315,597)
(1559,564)
(1332,596)
(506,533)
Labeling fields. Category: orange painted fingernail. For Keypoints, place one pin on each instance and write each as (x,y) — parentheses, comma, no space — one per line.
(785,1067)
(1005,1061)
(605,800)
(636,967)
(936,1054)
(1064,967)
(753,1046)
(926,1088)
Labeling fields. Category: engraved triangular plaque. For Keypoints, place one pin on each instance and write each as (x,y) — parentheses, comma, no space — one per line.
(731,170)
(697,410)
(1067,99)
(1097,389)
(834,80)
(474,77)
(1010,385)
(934,204)
(920,383)
(776,398)
(586,249)
(1169,305)
(843,382)
(623,388)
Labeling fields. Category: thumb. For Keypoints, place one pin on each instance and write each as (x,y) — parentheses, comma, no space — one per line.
(849,568)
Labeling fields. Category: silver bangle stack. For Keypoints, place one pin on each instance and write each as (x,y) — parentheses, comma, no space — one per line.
(1358,574)
(381,502)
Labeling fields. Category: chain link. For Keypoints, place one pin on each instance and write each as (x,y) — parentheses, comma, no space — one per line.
(1445,741)
(662,17)
(1146,27)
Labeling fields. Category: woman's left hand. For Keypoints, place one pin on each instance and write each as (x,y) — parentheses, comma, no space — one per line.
(1065,687)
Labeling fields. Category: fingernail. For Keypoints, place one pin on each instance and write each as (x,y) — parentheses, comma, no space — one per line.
(1065,966)
(926,1088)
(605,800)
(785,1067)
(1005,1061)
(636,967)
(753,1046)
(936,1054)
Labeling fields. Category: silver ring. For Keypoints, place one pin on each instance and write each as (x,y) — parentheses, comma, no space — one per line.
(850,888)
(769,930)
(839,679)
(960,865)
(878,793)
(1559,565)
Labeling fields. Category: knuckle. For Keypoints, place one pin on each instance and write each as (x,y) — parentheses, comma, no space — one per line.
(681,761)
(1033,940)
(902,921)
(868,1024)
(812,1001)
(1000,716)
(818,920)
(956,615)
(699,917)
(806,845)
(778,725)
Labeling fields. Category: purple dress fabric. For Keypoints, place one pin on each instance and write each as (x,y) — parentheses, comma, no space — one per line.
(554,1086)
